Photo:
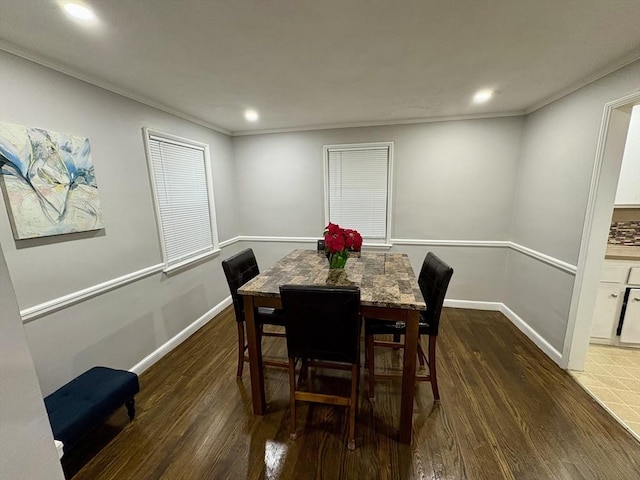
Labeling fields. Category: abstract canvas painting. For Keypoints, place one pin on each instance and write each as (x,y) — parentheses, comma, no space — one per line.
(48,182)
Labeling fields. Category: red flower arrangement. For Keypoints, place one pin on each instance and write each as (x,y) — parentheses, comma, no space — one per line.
(338,242)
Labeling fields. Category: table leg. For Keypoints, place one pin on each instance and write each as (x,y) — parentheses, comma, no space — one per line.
(255,359)
(409,376)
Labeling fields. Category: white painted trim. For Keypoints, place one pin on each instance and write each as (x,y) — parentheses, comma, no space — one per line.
(534,336)
(172,343)
(474,305)
(65,69)
(520,324)
(149,134)
(451,243)
(190,261)
(549,260)
(41,309)
(229,242)
(376,246)
(76,297)
(251,238)
(362,146)
(382,123)
(622,62)
(579,322)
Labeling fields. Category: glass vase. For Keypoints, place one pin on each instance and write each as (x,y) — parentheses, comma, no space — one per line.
(338,259)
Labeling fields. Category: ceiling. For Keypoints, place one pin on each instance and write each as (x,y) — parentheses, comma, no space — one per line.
(316,64)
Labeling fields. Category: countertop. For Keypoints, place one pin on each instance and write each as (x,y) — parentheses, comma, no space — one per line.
(385,279)
(622,252)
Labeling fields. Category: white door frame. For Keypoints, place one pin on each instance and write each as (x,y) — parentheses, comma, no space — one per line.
(604,182)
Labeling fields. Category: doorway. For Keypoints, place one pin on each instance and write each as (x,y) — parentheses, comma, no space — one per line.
(594,366)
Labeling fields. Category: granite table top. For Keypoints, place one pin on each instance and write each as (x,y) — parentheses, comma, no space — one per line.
(385,279)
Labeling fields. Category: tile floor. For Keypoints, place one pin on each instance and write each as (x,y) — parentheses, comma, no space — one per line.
(612,375)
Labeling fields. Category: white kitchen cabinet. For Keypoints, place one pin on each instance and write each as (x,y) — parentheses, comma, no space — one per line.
(607,311)
(616,277)
(631,327)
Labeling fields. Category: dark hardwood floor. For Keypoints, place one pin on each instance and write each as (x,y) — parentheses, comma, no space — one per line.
(506,411)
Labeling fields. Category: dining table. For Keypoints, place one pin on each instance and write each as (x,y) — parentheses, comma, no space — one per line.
(388,290)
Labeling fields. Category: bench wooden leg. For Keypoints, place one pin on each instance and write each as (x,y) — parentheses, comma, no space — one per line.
(131,408)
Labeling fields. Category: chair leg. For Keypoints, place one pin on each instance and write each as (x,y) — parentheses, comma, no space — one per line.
(240,349)
(371,365)
(351,444)
(421,356)
(292,398)
(432,368)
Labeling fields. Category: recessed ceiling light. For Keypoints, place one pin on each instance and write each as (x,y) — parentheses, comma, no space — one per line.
(251,115)
(482,96)
(79,11)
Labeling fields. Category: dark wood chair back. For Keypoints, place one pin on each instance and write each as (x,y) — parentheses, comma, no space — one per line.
(321,322)
(433,281)
(239,269)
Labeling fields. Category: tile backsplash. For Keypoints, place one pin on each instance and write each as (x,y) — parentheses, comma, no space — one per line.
(625,233)
(625,227)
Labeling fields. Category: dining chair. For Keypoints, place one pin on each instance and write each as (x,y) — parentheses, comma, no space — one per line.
(433,282)
(323,327)
(239,269)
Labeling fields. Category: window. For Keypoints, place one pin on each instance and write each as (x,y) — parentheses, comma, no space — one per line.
(358,188)
(181,180)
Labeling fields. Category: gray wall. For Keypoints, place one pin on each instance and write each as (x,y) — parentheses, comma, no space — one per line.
(517,178)
(556,163)
(27,451)
(452,181)
(120,328)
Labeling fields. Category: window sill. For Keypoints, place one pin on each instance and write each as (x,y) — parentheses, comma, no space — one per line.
(376,246)
(168,270)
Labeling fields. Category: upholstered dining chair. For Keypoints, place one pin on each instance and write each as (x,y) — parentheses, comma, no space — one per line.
(433,282)
(239,269)
(323,327)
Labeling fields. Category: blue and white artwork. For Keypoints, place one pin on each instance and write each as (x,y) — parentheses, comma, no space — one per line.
(48,181)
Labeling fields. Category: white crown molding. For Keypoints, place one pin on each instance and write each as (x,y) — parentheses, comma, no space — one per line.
(173,342)
(36,311)
(621,62)
(48,62)
(380,123)
(85,77)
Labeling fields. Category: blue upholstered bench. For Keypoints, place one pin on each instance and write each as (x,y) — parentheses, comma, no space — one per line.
(88,400)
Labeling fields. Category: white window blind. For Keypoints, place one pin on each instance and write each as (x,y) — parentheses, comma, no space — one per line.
(358,189)
(183,197)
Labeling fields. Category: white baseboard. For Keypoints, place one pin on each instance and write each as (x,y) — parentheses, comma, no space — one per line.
(540,342)
(473,305)
(172,343)
(534,336)
(520,324)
